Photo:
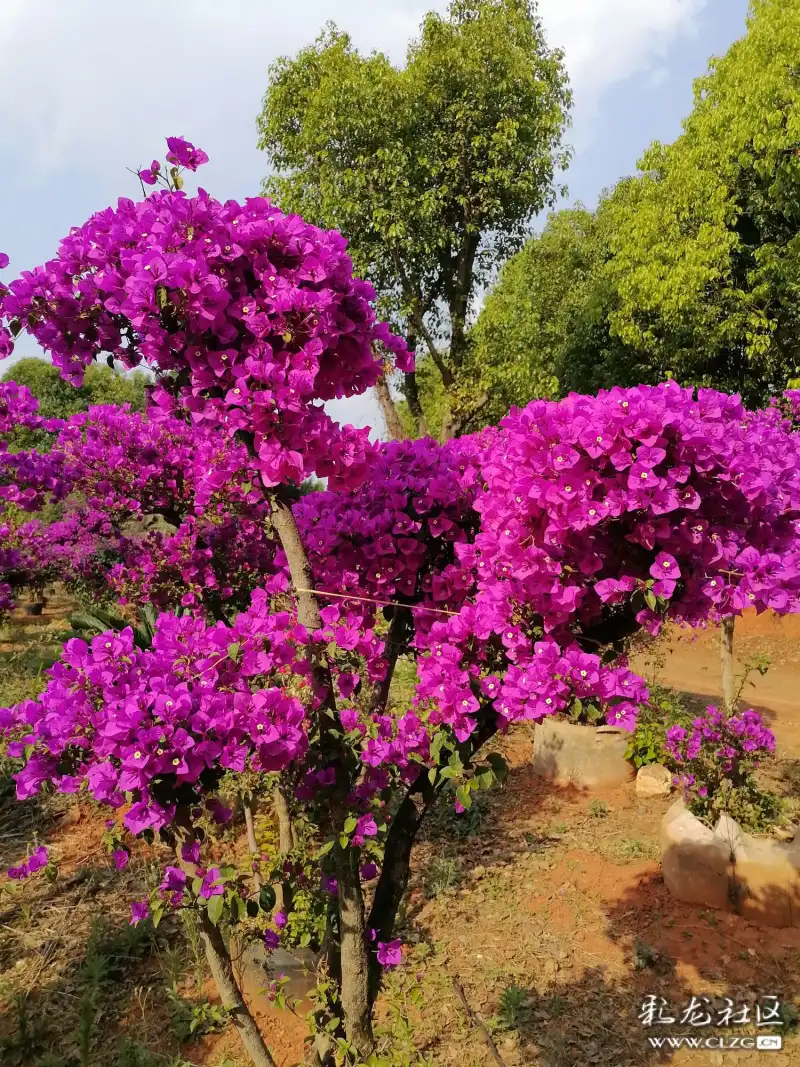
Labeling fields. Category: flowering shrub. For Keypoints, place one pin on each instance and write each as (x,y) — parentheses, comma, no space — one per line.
(715,759)
(254,314)
(512,566)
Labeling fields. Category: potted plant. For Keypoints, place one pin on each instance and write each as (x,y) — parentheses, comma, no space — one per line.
(580,749)
(710,855)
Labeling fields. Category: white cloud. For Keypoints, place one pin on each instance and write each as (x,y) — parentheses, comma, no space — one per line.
(102,82)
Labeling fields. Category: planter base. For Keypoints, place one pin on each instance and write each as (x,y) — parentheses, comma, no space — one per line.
(259,967)
(728,869)
(584,756)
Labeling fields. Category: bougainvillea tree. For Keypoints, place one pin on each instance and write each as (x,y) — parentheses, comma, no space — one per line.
(512,567)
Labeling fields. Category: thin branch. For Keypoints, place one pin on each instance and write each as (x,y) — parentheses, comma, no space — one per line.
(477,1021)
(419,324)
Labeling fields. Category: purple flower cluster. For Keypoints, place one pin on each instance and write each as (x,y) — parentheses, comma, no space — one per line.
(35,862)
(733,741)
(144,723)
(255,316)
(714,760)
(601,515)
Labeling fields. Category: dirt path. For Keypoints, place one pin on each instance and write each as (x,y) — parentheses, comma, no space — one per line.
(691,664)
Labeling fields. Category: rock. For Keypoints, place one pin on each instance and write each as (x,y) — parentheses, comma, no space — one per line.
(729,869)
(653,781)
(579,755)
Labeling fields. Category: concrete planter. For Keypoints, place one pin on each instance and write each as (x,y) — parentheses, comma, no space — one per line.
(729,869)
(588,757)
(257,968)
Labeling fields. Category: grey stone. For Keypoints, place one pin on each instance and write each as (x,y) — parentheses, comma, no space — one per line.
(653,781)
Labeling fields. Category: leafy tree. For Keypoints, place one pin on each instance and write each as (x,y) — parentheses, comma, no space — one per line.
(58,399)
(544,329)
(433,170)
(706,252)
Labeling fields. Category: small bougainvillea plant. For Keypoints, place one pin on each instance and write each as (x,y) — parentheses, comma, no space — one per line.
(511,567)
(714,759)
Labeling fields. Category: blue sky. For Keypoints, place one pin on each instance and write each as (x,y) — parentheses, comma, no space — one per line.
(89,88)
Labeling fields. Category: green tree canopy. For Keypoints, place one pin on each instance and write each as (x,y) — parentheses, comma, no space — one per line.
(705,252)
(529,317)
(432,171)
(690,269)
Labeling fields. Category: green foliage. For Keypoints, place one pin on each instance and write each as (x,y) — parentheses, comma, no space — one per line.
(755,809)
(598,809)
(690,270)
(586,712)
(432,170)
(193,1018)
(88,624)
(512,1001)
(644,955)
(706,256)
(440,875)
(531,317)
(58,399)
(132,1054)
(666,708)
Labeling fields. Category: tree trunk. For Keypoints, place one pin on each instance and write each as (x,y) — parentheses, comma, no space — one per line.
(252,843)
(221,968)
(447,428)
(411,390)
(726,656)
(299,568)
(286,842)
(400,630)
(395,870)
(307,606)
(354,958)
(394,426)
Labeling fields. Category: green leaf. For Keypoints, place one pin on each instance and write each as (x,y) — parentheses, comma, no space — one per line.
(325,849)
(214,909)
(499,767)
(485,780)
(650,599)
(463,796)
(350,823)
(436,745)
(455,764)
(267,898)
(233,650)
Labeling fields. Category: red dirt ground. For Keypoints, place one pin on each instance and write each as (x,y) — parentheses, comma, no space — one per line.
(560,895)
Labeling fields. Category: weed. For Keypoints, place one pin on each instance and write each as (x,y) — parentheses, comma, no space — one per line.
(441,874)
(598,809)
(644,955)
(512,1000)
(194,1018)
(629,849)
